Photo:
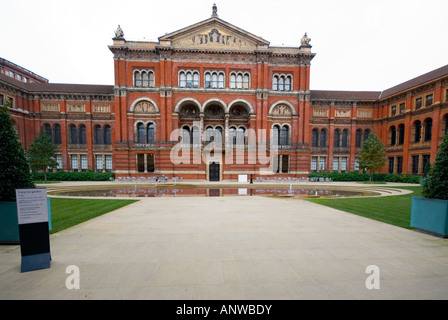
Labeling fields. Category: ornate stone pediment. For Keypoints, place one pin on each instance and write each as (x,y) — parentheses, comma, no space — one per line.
(145,107)
(282,110)
(213,33)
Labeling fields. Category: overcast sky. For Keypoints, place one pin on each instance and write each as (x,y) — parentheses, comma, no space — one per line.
(359,45)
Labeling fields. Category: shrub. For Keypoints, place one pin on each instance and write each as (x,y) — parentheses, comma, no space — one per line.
(74,176)
(436,183)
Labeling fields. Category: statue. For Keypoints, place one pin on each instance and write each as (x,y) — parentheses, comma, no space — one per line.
(119,34)
(214,10)
(305,42)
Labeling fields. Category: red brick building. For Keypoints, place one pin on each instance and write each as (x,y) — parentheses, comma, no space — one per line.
(224,96)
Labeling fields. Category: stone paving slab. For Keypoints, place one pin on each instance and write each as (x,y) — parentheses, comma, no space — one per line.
(232,248)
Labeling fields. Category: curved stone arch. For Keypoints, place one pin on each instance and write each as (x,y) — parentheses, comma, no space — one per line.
(136,101)
(218,101)
(186,100)
(289,104)
(242,101)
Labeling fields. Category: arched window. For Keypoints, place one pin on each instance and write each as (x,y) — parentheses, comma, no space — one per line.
(145,79)
(275,83)
(208,80)
(337,137)
(107,135)
(281,83)
(137,79)
(186,135)
(366,134)
(344,142)
(82,134)
(232,134)
(417,131)
(284,137)
(57,134)
(152,80)
(315,138)
(240,136)
(98,134)
(150,134)
(209,134)
(288,83)
(428,129)
(393,135)
(276,134)
(401,134)
(221,81)
(189,80)
(323,138)
(358,138)
(182,79)
(73,132)
(218,135)
(195,80)
(48,131)
(140,133)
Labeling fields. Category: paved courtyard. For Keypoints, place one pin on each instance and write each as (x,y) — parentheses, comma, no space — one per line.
(232,248)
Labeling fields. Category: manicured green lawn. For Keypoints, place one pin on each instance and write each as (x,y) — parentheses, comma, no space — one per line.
(66,213)
(395,210)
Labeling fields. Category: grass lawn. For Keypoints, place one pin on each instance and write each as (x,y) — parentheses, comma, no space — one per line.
(395,210)
(66,213)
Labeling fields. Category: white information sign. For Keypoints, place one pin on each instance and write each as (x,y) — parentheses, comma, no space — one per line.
(242,178)
(32,205)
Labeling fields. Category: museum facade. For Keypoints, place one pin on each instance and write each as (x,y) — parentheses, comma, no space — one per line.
(212,101)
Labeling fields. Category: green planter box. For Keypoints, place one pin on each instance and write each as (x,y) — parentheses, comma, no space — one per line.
(9,225)
(430,215)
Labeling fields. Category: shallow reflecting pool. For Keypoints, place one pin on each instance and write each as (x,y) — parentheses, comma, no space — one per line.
(198,191)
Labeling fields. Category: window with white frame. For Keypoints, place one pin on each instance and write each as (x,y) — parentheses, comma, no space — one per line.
(322,163)
(343,164)
(356,164)
(282,82)
(108,160)
(99,162)
(59,161)
(214,80)
(239,80)
(144,79)
(188,79)
(84,162)
(336,164)
(74,162)
(313,163)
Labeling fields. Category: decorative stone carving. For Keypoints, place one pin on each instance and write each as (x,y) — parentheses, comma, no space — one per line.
(281,110)
(189,111)
(341,113)
(50,107)
(101,108)
(76,107)
(214,38)
(305,41)
(119,34)
(238,112)
(364,113)
(214,112)
(320,113)
(144,107)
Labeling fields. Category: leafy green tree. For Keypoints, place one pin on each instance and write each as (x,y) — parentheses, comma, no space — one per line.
(41,155)
(14,167)
(436,183)
(373,155)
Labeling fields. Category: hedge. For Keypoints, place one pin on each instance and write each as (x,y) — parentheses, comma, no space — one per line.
(357,176)
(74,176)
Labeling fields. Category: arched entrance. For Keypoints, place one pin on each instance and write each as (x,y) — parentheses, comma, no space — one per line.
(214,171)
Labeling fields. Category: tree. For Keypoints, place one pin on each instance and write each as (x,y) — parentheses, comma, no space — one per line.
(436,183)
(14,167)
(373,154)
(41,155)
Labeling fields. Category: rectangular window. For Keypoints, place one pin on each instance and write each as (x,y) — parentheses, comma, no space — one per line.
(391,164)
(150,163)
(402,108)
(399,165)
(99,162)
(108,163)
(415,164)
(343,164)
(335,163)
(285,164)
(393,111)
(83,162)
(59,161)
(429,99)
(2,97)
(356,164)
(418,103)
(322,162)
(74,162)
(313,163)
(426,158)
(140,162)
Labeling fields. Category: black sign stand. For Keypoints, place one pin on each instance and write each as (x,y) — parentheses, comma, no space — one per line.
(32,210)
